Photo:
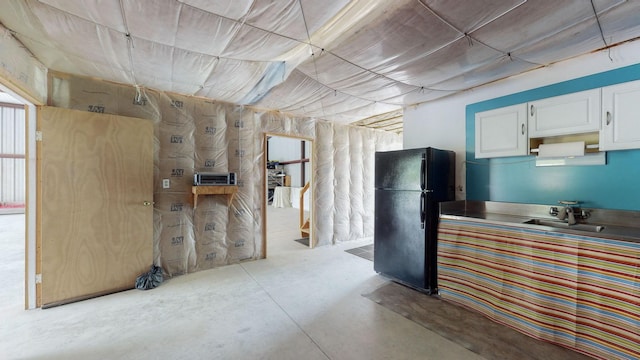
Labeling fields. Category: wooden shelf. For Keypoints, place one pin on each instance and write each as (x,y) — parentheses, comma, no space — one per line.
(228,190)
(293,162)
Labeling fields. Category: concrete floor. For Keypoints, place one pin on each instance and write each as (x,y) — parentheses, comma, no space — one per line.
(296,304)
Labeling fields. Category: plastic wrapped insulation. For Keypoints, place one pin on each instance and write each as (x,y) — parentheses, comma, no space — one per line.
(19,66)
(344,188)
(357,170)
(342,184)
(337,60)
(324,179)
(193,134)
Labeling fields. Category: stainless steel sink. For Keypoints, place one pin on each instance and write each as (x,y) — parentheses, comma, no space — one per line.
(565,225)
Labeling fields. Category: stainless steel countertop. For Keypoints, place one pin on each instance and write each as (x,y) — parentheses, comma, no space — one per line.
(617,224)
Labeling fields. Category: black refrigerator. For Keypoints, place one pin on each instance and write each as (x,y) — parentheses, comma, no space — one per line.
(409,184)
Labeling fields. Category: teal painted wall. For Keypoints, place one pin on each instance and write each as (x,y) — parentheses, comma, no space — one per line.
(517,179)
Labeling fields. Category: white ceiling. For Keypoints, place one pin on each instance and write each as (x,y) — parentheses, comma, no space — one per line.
(339,60)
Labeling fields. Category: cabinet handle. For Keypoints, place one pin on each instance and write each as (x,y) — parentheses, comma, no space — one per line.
(522,129)
(608,117)
(531,110)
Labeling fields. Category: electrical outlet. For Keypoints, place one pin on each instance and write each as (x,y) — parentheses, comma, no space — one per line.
(166,183)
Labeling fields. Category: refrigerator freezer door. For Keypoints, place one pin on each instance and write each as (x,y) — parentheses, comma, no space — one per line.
(400,170)
(440,174)
(399,237)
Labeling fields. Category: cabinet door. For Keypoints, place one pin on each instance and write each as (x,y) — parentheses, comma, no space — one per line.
(620,117)
(502,132)
(564,115)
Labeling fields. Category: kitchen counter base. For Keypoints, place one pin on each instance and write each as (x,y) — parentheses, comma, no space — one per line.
(576,291)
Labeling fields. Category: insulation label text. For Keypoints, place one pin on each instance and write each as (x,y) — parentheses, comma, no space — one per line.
(96,109)
(177,240)
(140,100)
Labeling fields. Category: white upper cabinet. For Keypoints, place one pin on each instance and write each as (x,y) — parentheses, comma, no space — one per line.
(502,132)
(564,115)
(612,111)
(620,117)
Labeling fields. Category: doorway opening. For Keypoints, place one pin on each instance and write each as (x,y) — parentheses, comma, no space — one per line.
(17,215)
(12,155)
(288,194)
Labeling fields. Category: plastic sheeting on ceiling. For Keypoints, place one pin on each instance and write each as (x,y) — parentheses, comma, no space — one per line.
(338,60)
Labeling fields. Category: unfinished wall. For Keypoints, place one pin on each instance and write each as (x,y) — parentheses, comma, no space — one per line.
(26,75)
(343,178)
(193,134)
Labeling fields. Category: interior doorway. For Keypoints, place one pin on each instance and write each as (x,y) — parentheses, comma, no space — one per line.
(17,215)
(12,155)
(288,193)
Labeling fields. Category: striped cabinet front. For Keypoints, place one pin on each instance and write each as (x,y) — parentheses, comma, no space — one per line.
(576,291)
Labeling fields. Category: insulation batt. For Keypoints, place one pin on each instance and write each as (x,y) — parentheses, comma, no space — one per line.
(339,60)
(21,67)
(324,178)
(194,134)
(341,169)
(356,184)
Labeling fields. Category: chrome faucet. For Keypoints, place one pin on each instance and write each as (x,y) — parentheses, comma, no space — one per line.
(568,212)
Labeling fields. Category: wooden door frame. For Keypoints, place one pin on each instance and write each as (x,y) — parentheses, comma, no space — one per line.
(31,265)
(312,234)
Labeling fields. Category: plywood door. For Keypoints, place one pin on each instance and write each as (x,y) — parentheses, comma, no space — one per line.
(96,175)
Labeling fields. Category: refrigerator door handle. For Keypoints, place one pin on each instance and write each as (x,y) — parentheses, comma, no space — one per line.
(423,210)
(423,166)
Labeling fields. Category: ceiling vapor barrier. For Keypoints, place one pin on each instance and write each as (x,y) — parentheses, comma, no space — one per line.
(337,60)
